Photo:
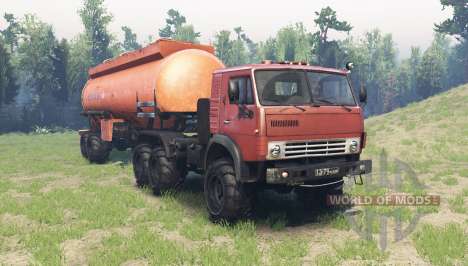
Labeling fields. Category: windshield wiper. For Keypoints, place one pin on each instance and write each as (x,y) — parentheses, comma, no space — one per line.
(332,103)
(300,108)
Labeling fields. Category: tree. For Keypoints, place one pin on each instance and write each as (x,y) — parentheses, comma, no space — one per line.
(96,18)
(177,29)
(186,33)
(239,53)
(130,42)
(326,51)
(78,64)
(293,44)
(267,49)
(35,62)
(8,87)
(374,56)
(457,26)
(223,46)
(432,72)
(59,57)
(174,21)
(252,47)
(234,52)
(11,33)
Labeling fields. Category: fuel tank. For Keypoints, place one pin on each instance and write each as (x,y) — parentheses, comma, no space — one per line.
(171,74)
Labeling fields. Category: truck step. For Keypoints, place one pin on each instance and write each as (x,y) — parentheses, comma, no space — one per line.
(146,115)
(145,104)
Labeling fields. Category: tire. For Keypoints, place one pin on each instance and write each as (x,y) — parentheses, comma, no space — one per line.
(318,196)
(97,150)
(140,160)
(226,199)
(165,173)
(83,145)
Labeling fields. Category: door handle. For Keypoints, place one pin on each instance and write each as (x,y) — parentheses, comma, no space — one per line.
(226,122)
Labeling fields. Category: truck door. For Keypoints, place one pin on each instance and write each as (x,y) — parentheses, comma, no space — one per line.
(240,116)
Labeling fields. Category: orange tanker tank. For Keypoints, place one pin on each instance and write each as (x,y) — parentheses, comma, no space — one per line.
(170,75)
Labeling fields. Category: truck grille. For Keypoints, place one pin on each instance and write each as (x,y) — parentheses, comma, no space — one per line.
(315,148)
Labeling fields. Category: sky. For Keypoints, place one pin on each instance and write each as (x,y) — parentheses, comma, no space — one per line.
(411,22)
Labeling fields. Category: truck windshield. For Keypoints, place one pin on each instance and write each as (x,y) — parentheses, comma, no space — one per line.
(298,87)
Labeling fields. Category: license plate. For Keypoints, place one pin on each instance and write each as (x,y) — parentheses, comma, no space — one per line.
(327,171)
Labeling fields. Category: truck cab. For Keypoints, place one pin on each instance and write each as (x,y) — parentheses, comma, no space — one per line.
(286,125)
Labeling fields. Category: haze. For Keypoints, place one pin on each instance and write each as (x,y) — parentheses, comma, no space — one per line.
(410,21)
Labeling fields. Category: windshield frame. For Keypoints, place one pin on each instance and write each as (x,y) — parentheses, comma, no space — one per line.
(304,71)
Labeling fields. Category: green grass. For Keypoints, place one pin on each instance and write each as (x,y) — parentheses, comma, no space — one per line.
(442,246)
(463,172)
(457,204)
(326,260)
(450,181)
(50,195)
(67,197)
(288,252)
(360,250)
(143,244)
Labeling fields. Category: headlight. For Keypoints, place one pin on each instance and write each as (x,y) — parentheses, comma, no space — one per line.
(275,151)
(354,146)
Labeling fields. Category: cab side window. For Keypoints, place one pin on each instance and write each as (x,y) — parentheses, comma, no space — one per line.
(240,90)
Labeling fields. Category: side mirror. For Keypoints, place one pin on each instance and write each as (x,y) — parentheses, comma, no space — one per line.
(233,91)
(363,94)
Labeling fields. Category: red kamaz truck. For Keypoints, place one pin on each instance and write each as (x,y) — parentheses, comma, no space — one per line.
(282,126)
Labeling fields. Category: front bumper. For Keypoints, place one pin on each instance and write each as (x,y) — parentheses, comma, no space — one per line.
(296,175)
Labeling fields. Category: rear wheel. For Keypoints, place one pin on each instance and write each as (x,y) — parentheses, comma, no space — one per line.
(165,173)
(83,145)
(225,197)
(97,150)
(140,160)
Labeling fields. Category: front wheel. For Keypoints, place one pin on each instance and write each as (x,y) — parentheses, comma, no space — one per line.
(225,197)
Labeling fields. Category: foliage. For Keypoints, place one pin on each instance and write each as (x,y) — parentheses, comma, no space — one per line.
(130,42)
(223,46)
(374,56)
(59,57)
(432,72)
(293,44)
(78,64)
(233,52)
(457,26)
(42,77)
(37,44)
(267,49)
(326,51)
(11,32)
(8,87)
(96,18)
(177,29)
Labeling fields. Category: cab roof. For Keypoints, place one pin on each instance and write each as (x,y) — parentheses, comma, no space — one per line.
(278,66)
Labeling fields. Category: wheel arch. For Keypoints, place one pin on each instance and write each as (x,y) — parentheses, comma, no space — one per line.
(221,146)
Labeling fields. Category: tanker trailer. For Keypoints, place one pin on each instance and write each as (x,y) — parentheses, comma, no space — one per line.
(286,126)
(151,88)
